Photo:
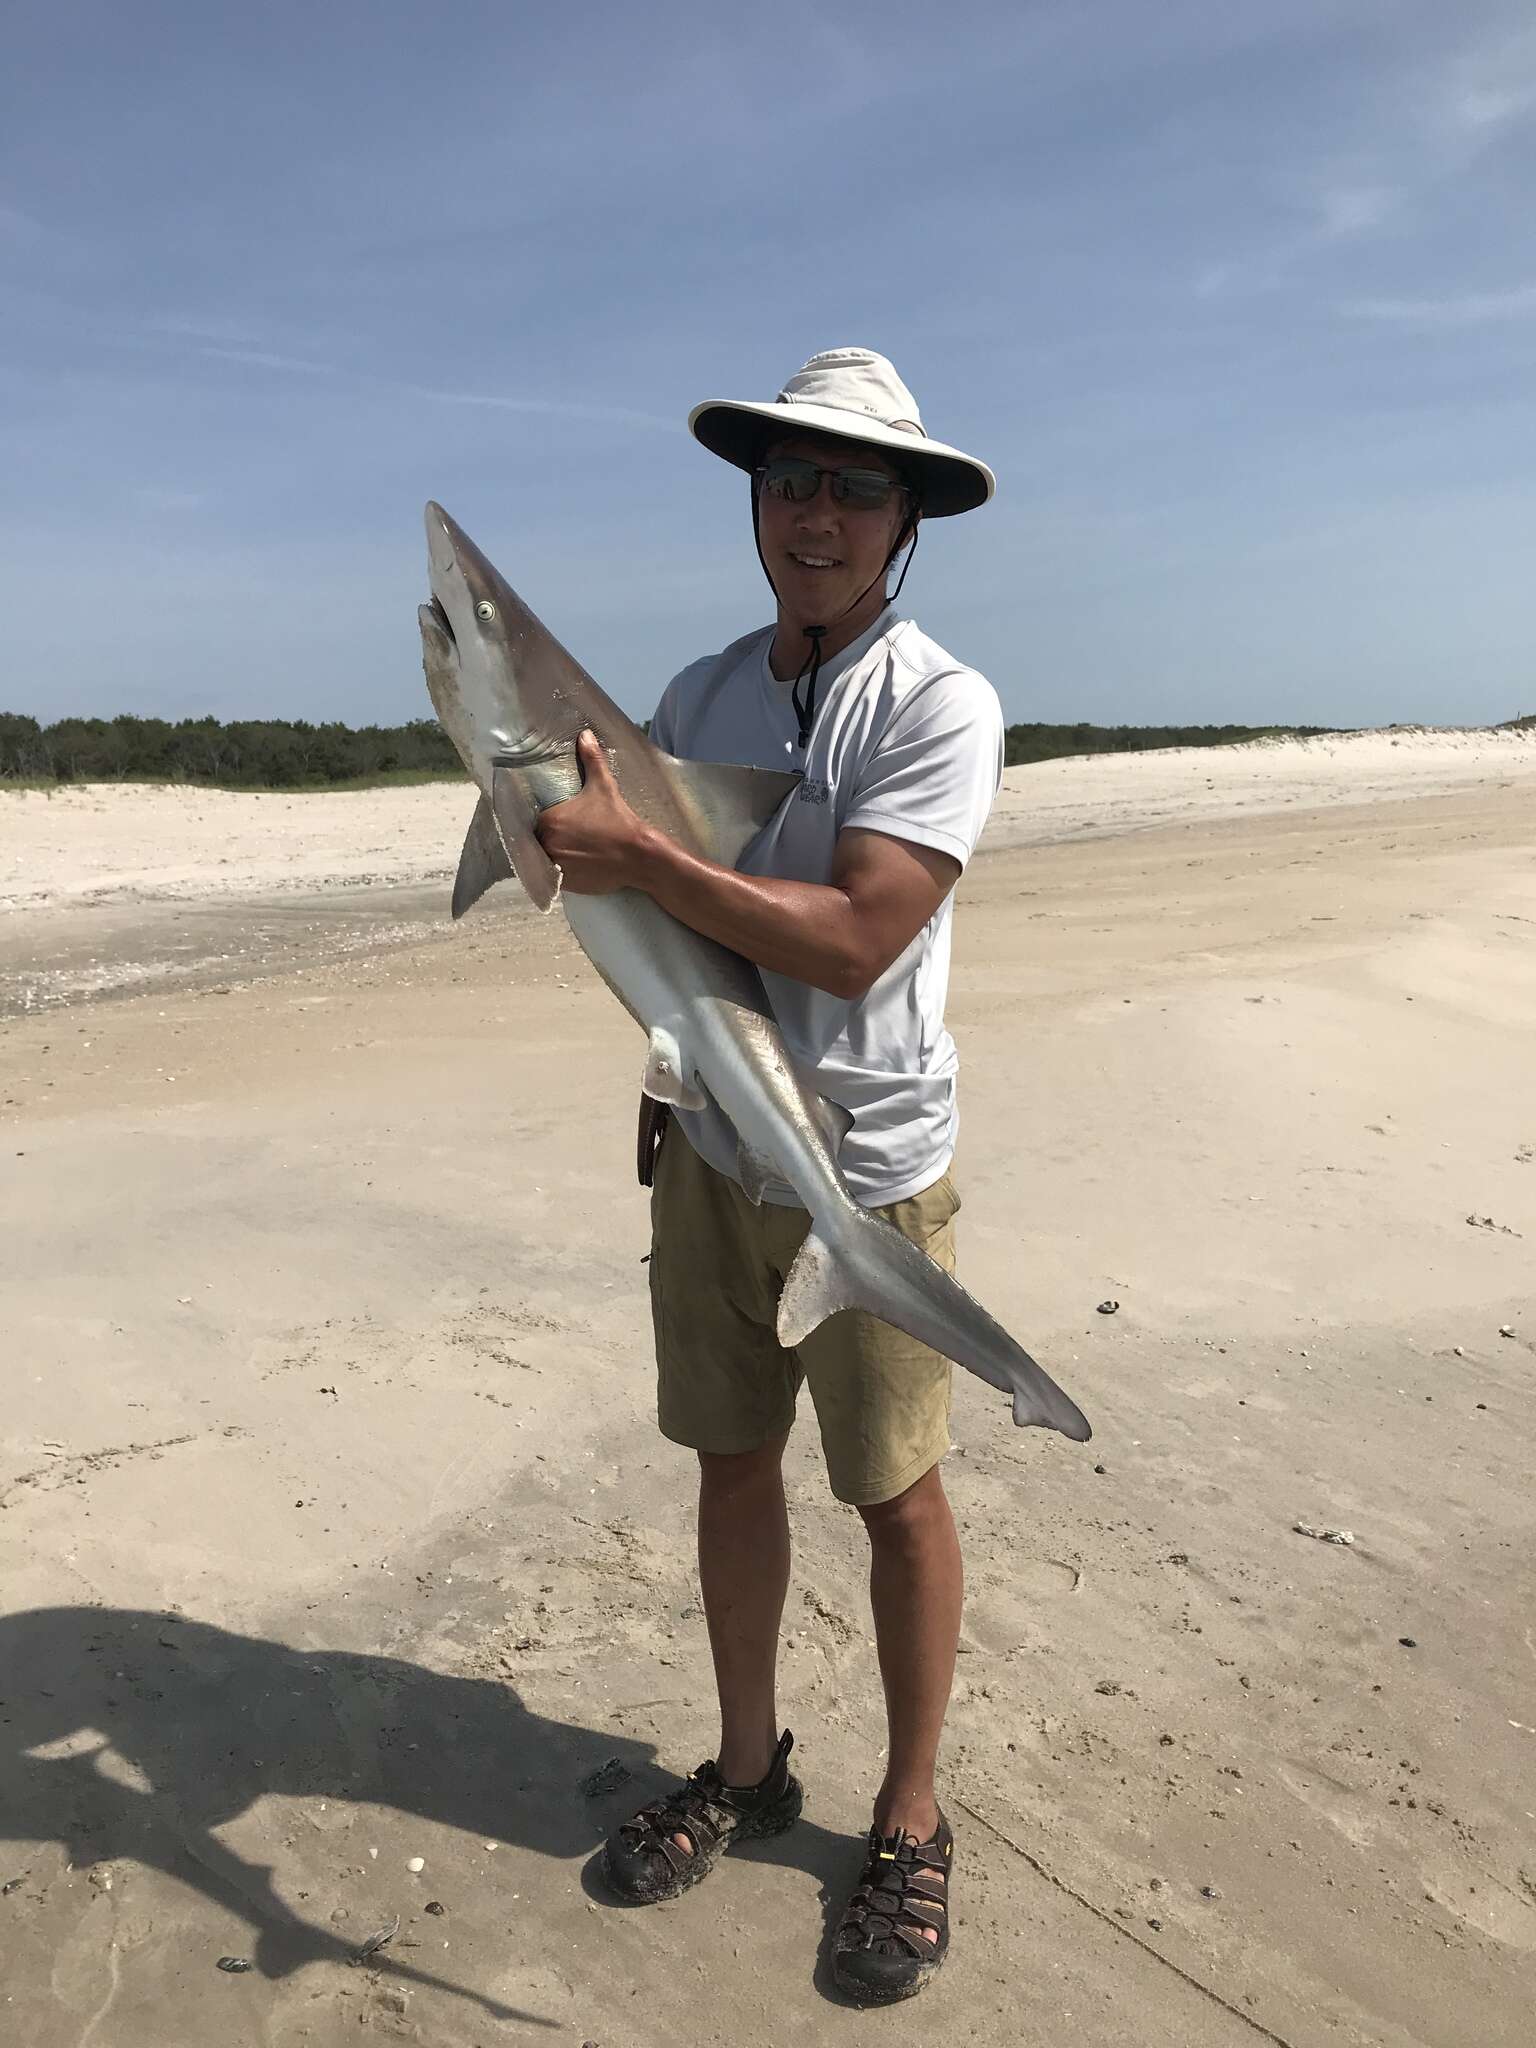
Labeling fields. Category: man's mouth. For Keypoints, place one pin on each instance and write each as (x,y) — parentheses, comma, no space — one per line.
(815,561)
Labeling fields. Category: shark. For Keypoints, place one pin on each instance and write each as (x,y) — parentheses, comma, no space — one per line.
(514,701)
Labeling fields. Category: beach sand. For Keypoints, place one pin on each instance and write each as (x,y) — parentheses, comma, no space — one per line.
(335,1531)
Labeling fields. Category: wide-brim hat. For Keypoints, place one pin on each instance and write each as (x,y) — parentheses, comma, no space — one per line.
(857,396)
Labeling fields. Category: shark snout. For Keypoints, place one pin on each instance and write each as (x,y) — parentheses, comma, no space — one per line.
(442,544)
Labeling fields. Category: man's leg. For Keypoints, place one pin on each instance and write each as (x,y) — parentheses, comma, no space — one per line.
(882,1402)
(916,1587)
(723,1380)
(744,1575)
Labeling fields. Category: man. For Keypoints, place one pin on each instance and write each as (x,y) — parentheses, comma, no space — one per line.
(844,903)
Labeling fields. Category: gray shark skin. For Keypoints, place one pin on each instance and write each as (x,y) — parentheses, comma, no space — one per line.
(513,702)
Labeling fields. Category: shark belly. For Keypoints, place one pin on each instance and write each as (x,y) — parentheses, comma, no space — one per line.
(710,1004)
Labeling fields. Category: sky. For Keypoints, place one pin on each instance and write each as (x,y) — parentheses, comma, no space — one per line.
(1239,301)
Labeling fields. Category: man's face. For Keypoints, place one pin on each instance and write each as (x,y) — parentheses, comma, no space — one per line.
(822,556)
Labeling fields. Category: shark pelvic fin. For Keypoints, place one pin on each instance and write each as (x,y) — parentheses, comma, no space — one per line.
(483,862)
(666,1076)
(726,805)
(514,816)
(754,1170)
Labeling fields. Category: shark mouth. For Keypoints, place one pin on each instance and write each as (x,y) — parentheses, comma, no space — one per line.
(439,612)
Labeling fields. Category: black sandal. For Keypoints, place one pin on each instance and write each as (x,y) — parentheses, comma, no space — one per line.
(879,1953)
(643,1864)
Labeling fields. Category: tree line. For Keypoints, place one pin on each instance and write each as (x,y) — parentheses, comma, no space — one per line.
(281,753)
(247,753)
(1049,742)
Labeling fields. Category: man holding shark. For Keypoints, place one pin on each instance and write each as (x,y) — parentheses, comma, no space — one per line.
(843,902)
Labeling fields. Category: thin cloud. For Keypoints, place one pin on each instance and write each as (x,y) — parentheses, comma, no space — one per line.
(494,401)
(1490,87)
(1346,210)
(559,408)
(1439,122)
(231,333)
(1461,309)
(159,498)
(264,359)
(19,230)
(1492,106)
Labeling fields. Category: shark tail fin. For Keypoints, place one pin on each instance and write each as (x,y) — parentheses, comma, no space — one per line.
(858,1260)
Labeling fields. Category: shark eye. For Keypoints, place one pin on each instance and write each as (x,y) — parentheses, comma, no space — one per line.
(485,609)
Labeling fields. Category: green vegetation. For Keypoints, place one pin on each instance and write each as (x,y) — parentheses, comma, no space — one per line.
(264,753)
(1049,742)
(280,753)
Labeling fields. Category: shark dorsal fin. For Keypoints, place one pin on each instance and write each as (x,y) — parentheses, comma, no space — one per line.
(726,805)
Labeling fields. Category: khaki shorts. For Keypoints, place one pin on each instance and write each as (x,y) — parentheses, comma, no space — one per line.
(724,1383)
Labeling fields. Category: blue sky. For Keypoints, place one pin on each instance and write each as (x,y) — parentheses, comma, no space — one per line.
(1238,300)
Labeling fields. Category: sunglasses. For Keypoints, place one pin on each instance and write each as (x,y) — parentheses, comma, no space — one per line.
(797,481)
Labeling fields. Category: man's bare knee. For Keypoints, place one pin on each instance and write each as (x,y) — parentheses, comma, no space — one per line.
(910,1514)
(731,1472)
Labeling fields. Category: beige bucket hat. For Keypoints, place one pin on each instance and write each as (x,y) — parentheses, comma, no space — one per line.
(856,395)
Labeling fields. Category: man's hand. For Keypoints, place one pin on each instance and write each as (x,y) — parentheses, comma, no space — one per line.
(595,838)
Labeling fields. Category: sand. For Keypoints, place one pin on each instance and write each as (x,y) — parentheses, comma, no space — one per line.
(335,1532)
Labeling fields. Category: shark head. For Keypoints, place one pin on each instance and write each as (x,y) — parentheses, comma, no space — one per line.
(479,646)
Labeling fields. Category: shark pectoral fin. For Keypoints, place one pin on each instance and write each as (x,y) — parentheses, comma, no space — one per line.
(728,806)
(666,1078)
(483,863)
(514,816)
(754,1170)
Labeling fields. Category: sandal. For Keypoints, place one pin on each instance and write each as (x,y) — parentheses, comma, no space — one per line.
(643,1864)
(880,1953)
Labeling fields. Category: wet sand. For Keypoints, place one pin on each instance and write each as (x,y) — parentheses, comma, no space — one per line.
(51,958)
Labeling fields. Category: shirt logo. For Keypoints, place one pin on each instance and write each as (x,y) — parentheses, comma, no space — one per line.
(813,792)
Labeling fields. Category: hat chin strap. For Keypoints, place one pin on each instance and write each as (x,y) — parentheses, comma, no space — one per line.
(810,668)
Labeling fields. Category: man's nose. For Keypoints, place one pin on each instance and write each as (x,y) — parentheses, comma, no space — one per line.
(823,509)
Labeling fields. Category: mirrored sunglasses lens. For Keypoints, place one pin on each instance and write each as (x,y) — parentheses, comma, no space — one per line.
(786,478)
(864,490)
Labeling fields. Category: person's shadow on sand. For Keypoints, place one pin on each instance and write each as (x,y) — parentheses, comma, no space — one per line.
(209,1722)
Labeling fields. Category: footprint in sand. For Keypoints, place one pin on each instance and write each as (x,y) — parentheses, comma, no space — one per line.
(1339,1804)
(999,1616)
(1471,1895)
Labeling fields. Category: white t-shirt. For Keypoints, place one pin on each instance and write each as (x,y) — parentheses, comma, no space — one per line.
(906,741)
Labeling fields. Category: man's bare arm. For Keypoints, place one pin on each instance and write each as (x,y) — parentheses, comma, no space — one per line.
(840,936)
